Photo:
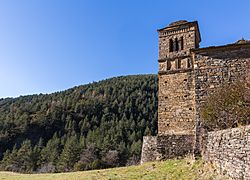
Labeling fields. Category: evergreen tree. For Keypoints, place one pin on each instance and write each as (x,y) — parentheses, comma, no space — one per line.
(70,154)
(112,116)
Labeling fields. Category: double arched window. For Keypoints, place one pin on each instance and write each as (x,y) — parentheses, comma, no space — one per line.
(176,44)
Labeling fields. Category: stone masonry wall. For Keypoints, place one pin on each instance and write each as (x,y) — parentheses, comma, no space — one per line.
(149,149)
(229,151)
(187,75)
(214,67)
(188,34)
(176,104)
(165,147)
(176,108)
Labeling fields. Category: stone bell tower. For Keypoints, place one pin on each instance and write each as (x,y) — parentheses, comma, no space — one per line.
(176,109)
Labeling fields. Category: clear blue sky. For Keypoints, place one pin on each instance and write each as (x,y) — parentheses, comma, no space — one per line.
(52,45)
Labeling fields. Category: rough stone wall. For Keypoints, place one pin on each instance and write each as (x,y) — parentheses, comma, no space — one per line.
(214,67)
(149,149)
(176,109)
(186,77)
(188,35)
(166,147)
(171,60)
(229,151)
(176,104)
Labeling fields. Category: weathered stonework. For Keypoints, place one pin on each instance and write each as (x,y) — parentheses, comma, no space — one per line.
(229,151)
(176,110)
(149,149)
(214,66)
(166,147)
(187,75)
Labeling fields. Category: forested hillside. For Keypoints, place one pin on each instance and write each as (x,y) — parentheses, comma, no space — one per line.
(93,126)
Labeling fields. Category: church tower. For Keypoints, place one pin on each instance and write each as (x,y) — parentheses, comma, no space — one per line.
(176,110)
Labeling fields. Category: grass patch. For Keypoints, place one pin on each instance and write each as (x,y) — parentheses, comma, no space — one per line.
(170,169)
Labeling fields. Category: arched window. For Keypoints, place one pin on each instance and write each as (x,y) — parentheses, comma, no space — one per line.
(181,44)
(171,44)
(176,45)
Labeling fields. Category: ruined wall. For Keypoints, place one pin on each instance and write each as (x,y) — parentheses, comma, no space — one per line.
(229,151)
(166,147)
(149,149)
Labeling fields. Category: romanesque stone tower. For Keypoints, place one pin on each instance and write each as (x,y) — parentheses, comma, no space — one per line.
(188,74)
(176,110)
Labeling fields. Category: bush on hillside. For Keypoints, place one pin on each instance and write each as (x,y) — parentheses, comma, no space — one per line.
(228,106)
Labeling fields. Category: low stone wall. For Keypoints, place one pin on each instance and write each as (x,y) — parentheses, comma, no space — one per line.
(229,151)
(156,148)
(149,147)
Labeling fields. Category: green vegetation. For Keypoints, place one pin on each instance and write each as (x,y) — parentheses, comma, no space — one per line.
(171,169)
(99,125)
(228,106)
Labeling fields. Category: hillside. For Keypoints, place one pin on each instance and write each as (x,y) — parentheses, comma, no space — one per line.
(169,170)
(99,125)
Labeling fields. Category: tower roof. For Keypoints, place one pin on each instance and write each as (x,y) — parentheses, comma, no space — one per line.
(242,41)
(182,24)
(176,23)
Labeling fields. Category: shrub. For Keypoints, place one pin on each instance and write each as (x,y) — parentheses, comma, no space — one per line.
(228,106)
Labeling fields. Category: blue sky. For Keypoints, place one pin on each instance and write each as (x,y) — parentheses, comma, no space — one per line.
(52,45)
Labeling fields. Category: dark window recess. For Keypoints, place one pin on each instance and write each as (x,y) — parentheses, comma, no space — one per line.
(185,80)
(171,45)
(190,109)
(182,43)
(168,65)
(185,96)
(176,45)
(178,64)
(167,124)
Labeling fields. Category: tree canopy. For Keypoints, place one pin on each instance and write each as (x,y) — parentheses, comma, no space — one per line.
(86,127)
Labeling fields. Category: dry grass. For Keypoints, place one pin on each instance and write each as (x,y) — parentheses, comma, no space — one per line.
(171,169)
